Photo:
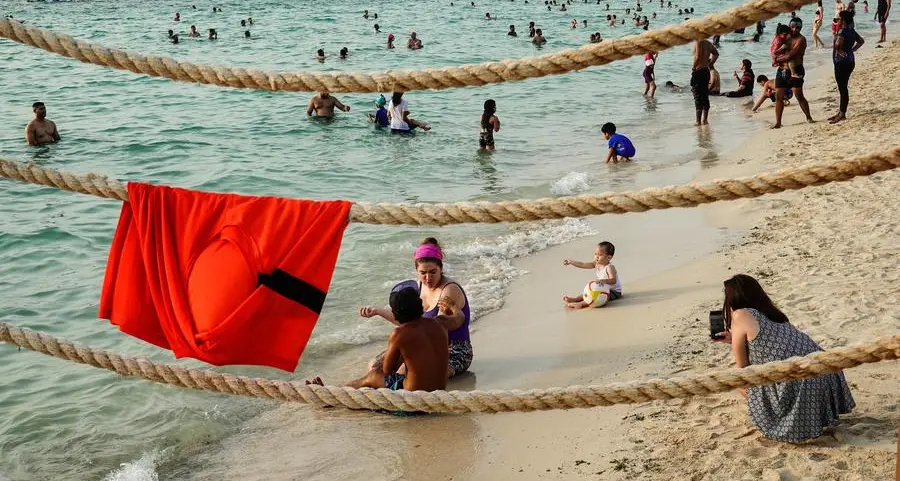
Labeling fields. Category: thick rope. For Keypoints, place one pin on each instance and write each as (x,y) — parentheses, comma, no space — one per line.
(700,384)
(688,195)
(448,77)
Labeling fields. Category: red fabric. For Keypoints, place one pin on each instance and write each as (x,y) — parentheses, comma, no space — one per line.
(183,266)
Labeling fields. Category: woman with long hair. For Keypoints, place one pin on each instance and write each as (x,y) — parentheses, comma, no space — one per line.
(759,332)
(817,24)
(443,300)
(398,113)
(846,42)
(490,123)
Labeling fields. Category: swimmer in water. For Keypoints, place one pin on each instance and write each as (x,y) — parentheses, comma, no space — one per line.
(320,55)
(490,123)
(413,43)
(41,130)
(243,23)
(344,52)
(366,14)
(213,35)
(177,17)
(398,112)
(171,34)
(390,39)
(377,28)
(323,105)
(250,20)
(380,117)
(194,33)
(674,88)
(246,33)
(539,38)
(512,31)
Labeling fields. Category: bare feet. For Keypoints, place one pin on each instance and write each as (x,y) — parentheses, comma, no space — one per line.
(568,299)
(315,381)
(838,118)
(810,120)
(834,117)
(696,124)
(776,126)
(426,128)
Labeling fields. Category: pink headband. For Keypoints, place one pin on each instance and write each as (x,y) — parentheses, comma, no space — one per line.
(428,250)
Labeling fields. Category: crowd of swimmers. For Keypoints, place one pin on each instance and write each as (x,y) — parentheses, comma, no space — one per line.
(212,34)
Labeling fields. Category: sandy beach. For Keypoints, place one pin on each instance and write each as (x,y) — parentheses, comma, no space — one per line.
(828,256)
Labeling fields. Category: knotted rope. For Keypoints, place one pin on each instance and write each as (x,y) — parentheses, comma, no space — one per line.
(688,195)
(448,77)
(700,384)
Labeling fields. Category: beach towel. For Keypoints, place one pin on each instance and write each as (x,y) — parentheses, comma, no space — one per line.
(223,278)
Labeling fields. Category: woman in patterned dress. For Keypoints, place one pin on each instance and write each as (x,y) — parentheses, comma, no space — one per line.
(759,332)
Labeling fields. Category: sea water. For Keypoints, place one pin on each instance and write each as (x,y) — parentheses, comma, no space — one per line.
(65,421)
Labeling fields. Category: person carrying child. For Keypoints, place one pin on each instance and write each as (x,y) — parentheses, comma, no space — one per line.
(619,145)
(606,287)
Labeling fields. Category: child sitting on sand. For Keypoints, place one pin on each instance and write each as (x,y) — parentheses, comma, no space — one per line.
(619,145)
(607,286)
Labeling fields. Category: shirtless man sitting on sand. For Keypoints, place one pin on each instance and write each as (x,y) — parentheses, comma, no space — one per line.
(41,131)
(419,344)
(323,105)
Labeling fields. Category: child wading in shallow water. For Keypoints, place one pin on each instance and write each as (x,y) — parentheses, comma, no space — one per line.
(607,287)
(619,145)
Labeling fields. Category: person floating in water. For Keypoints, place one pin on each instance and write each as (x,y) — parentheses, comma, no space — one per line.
(41,130)
(418,350)
(380,117)
(619,145)
(377,28)
(366,14)
(323,105)
(490,123)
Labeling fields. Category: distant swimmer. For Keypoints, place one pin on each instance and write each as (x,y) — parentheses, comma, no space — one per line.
(390,39)
(490,123)
(375,16)
(380,117)
(596,37)
(344,52)
(213,34)
(366,14)
(243,23)
(171,34)
(194,33)
(40,130)
(487,16)
(619,145)
(650,74)
(398,112)
(512,31)
(584,22)
(377,28)
(674,88)
(250,20)
(320,55)
(323,105)
(539,38)
(531,31)
(246,33)
(414,43)
(177,17)
(174,39)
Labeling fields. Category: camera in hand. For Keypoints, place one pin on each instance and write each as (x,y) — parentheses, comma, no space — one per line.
(716,324)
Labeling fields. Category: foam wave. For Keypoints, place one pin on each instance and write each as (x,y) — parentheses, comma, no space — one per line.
(144,469)
(572,183)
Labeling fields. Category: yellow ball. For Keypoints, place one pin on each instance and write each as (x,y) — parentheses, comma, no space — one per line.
(596,294)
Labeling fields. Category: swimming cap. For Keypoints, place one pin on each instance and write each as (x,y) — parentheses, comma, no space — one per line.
(380,101)
(428,250)
(390,36)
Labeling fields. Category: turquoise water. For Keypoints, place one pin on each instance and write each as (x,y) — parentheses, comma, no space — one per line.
(61,420)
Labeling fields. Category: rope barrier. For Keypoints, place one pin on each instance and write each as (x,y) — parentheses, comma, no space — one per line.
(688,195)
(700,384)
(448,77)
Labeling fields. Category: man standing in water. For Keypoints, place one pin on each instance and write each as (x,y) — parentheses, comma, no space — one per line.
(705,55)
(323,105)
(41,131)
(417,343)
(796,72)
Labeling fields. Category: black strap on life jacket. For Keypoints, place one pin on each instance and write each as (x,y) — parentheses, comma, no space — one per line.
(293,288)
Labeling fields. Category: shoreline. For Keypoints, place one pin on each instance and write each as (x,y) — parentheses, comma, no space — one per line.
(685,438)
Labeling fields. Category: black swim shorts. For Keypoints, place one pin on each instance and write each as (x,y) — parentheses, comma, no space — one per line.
(700,88)
(797,76)
(783,78)
(486,139)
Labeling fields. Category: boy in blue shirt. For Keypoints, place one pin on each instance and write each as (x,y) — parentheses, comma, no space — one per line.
(619,145)
(381,115)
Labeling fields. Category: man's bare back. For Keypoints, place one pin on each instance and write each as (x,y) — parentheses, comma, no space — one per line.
(705,54)
(323,105)
(423,347)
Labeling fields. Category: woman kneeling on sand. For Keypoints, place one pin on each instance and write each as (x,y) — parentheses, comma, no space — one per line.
(443,300)
(758,332)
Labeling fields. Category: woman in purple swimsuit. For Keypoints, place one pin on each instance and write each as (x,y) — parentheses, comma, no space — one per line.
(443,300)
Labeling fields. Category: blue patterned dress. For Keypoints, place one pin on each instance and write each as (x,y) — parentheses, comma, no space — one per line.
(793,411)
